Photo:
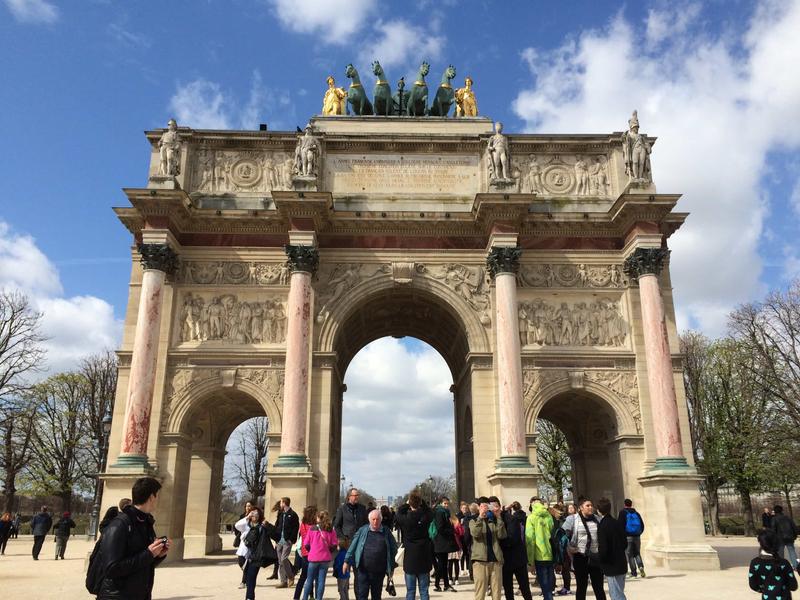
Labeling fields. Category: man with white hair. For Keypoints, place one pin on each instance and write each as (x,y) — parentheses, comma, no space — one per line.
(372,553)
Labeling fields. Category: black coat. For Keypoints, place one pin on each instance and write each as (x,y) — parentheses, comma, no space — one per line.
(413,524)
(445,540)
(264,552)
(64,528)
(784,527)
(612,541)
(128,565)
(41,524)
(515,552)
(467,533)
(347,521)
(289,523)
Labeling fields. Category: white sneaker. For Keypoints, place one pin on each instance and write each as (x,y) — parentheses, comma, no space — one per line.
(242,586)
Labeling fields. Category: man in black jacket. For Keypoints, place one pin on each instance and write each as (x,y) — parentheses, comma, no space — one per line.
(612,543)
(41,525)
(350,516)
(287,526)
(515,553)
(129,550)
(786,530)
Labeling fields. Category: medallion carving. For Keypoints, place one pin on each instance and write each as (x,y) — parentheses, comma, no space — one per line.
(233,273)
(231,320)
(567,275)
(557,175)
(597,323)
(224,171)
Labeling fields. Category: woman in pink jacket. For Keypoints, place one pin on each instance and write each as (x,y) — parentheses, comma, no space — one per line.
(321,543)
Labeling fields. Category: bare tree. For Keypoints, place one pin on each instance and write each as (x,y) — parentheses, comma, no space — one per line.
(552,456)
(21,353)
(60,436)
(251,460)
(100,373)
(771,330)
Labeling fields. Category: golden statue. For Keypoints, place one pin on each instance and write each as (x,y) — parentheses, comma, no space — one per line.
(466,105)
(333,102)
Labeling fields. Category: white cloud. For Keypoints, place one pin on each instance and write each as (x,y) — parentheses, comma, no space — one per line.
(76,327)
(203,104)
(399,43)
(718,105)
(398,411)
(333,21)
(33,11)
(794,198)
(128,38)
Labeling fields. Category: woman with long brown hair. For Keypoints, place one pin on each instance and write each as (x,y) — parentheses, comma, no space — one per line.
(321,544)
(5,531)
(308,521)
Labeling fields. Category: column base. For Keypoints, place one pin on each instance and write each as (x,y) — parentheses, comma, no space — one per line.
(671,463)
(514,478)
(133,463)
(293,461)
(675,537)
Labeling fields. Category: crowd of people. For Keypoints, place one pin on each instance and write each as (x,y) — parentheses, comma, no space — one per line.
(495,546)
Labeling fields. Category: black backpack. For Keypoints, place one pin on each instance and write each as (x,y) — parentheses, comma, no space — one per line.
(95,573)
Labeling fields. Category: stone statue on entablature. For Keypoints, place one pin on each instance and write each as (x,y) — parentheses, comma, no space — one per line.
(499,158)
(169,149)
(306,154)
(636,153)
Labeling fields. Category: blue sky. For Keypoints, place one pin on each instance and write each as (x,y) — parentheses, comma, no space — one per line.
(716,82)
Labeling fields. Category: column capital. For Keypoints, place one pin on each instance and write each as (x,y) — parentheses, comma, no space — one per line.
(302,258)
(503,259)
(159,257)
(645,261)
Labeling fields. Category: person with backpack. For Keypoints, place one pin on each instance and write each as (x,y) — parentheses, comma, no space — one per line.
(123,562)
(611,537)
(321,544)
(770,574)
(63,530)
(539,528)
(633,523)
(585,550)
(560,542)
(444,542)
(786,531)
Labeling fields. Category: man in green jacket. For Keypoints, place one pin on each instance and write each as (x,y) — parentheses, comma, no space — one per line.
(487,557)
(538,529)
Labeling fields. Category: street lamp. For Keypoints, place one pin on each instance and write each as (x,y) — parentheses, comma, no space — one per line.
(430,487)
(103,447)
(341,489)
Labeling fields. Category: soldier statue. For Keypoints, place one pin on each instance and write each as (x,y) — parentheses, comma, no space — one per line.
(169,149)
(636,152)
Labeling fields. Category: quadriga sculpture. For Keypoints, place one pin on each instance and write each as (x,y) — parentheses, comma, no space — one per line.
(443,100)
(356,96)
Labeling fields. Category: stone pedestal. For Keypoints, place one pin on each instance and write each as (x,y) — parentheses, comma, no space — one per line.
(675,538)
(158,260)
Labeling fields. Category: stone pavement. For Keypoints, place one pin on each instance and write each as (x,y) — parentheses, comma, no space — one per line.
(217,577)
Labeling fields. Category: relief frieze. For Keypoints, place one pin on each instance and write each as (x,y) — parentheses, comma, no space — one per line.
(557,175)
(570,275)
(233,273)
(225,171)
(230,319)
(588,323)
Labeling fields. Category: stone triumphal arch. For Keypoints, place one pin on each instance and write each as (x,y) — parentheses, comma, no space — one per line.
(537,265)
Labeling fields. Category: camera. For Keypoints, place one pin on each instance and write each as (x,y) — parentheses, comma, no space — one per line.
(163,540)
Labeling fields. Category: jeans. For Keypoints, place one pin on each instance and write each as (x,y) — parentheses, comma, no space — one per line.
(790,554)
(369,585)
(301,581)
(583,573)
(243,567)
(634,553)
(521,573)
(424,582)
(285,569)
(343,585)
(38,540)
(566,574)
(546,576)
(61,547)
(316,575)
(251,569)
(453,570)
(616,587)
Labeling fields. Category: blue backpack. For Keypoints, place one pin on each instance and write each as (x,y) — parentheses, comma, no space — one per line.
(633,523)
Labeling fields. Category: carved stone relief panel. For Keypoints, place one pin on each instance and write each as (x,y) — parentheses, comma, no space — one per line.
(233,273)
(225,171)
(564,175)
(230,319)
(467,281)
(335,280)
(594,322)
(571,275)
(178,380)
(622,384)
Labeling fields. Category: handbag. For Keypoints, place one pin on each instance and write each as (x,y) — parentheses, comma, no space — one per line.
(390,588)
(398,558)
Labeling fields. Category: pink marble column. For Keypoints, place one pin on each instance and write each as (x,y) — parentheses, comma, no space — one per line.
(157,259)
(503,264)
(303,261)
(645,264)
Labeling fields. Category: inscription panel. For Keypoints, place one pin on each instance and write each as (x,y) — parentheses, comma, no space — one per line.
(402,174)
